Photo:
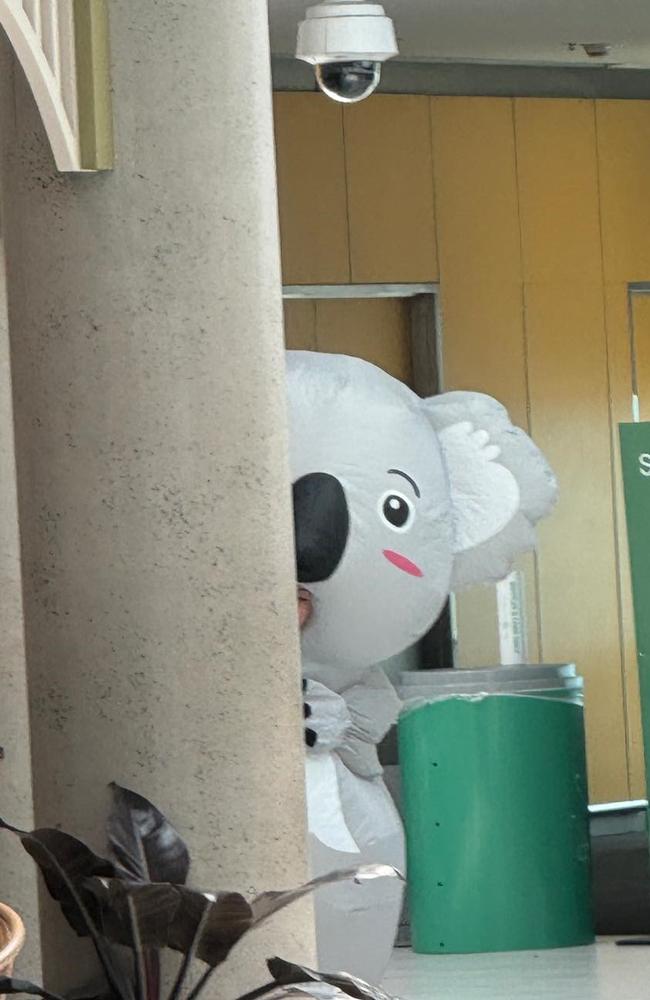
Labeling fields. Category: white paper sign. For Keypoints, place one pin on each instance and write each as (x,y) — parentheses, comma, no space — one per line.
(511,614)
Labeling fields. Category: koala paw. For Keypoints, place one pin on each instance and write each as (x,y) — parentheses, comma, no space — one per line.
(326,715)
(311,736)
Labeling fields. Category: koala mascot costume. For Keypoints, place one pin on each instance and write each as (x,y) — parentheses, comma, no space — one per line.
(398,500)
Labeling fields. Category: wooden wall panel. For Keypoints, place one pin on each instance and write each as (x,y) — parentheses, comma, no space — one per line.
(570,420)
(477,217)
(377,330)
(300,324)
(311,189)
(620,381)
(577,556)
(624,162)
(479,248)
(390,190)
(558,186)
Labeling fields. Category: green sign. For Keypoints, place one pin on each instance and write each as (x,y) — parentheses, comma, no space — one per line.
(635,454)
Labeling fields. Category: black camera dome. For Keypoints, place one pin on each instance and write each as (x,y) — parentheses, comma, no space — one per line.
(348,82)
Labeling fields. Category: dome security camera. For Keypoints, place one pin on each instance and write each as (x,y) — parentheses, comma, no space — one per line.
(346,41)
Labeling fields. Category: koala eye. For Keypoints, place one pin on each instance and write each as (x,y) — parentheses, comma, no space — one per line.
(397,511)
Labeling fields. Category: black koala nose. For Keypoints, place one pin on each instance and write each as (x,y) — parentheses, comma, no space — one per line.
(321,524)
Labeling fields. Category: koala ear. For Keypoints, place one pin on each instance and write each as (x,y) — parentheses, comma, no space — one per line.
(500,484)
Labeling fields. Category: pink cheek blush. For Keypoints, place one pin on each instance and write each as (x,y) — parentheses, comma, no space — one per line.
(403,563)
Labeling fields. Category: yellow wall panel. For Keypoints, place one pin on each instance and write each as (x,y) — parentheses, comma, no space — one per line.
(624,160)
(483,341)
(300,324)
(476,188)
(480,254)
(577,557)
(558,186)
(620,380)
(311,189)
(376,330)
(390,190)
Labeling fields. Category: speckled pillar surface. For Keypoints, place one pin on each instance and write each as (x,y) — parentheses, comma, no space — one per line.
(151,441)
(18,885)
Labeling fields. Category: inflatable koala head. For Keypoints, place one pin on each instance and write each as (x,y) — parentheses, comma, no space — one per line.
(397,501)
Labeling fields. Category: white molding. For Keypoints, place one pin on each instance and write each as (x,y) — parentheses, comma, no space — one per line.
(41,33)
(384,291)
(634,805)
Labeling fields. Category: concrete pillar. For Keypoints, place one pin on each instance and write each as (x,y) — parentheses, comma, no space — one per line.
(151,440)
(18,883)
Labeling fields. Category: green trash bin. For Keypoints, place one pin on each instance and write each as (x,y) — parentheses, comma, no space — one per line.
(495,805)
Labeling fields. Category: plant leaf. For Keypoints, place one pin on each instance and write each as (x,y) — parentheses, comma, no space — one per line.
(64,861)
(155,906)
(189,955)
(299,991)
(287,974)
(53,850)
(143,840)
(169,916)
(8,985)
(229,917)
(268,903)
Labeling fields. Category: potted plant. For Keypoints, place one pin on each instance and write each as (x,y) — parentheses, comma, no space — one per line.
(12,938)
(136,903)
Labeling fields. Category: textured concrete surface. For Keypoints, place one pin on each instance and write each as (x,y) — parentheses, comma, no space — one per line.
(18,884)
(147,355)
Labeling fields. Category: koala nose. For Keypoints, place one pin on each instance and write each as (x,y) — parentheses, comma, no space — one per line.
(321,524)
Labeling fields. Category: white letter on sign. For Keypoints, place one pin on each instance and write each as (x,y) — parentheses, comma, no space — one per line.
(644,464)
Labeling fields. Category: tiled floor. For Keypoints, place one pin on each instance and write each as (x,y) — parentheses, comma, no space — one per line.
(603,972)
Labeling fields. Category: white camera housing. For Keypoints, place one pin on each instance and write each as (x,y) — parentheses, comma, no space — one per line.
(346,41)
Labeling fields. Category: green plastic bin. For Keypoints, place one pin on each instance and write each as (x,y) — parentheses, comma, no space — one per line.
(495,806)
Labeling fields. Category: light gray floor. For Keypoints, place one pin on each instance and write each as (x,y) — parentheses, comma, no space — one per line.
(603,972)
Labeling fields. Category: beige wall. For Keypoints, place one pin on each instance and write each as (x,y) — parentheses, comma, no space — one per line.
(533,215)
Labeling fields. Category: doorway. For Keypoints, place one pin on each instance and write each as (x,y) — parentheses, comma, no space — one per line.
(397,328)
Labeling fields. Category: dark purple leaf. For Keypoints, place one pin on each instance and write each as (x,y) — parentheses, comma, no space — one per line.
(77,861)
(229,917)
(268,903)
(287,974)
(169,916)
(144,842)
(155,907)
(65,863)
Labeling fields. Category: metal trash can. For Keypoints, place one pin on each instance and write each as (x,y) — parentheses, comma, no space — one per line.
(494,798)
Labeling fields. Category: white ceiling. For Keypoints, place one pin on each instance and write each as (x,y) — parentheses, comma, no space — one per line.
(500,31)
